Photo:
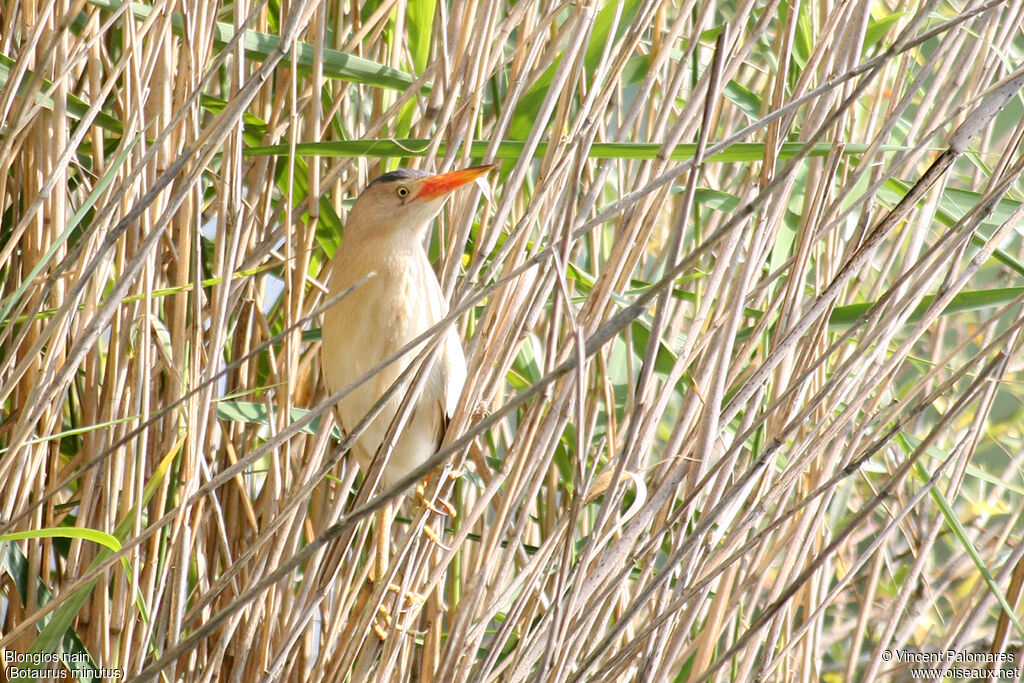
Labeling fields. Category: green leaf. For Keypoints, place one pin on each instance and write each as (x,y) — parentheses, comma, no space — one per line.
(513,149)
(665,358)
(93,535)
(76,108)
(878,29)
(803,43)
(954,205)
(525,371)
(58,627)
(259,46)
(716,200)
(56,631)
(14,562)
(844,316)
(256,413)
(965,541)
(528,107)
(745,100)
(329,226)
(420,18)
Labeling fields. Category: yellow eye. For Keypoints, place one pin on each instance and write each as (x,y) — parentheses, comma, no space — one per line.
(402,192)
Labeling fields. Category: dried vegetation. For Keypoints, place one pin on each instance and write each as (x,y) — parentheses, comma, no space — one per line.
(743,317)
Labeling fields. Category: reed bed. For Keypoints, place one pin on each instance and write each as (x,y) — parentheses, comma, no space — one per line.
(742,308)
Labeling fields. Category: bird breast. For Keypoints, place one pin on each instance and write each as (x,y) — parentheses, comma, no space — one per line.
(399,299)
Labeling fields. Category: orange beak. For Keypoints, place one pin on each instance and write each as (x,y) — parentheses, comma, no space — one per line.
(441,184)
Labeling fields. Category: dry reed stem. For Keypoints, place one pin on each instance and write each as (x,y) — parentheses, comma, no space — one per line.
(691,455)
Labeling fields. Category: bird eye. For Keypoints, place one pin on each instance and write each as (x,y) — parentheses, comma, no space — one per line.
(402,192)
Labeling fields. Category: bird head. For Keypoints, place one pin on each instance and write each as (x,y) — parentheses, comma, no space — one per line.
(406,200)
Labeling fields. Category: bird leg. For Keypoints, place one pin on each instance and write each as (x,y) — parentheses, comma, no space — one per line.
(382,545)
(382,622)
(440,507)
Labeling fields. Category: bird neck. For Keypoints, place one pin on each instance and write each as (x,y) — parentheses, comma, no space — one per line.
(384,247)
(383,232)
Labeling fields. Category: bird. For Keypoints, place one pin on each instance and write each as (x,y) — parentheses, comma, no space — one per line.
(395,297)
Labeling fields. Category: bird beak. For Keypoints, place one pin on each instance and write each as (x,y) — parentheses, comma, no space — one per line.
(438,185)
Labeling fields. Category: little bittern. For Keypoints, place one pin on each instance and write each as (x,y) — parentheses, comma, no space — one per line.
(398,299)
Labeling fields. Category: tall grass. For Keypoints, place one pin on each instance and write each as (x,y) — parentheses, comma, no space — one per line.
(743,316)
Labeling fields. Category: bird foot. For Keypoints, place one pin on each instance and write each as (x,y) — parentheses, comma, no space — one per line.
(382,631)
(383,624)
(438,507)
(442,507)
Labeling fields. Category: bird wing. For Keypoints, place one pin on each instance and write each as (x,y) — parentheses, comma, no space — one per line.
(396,304)
(456,375)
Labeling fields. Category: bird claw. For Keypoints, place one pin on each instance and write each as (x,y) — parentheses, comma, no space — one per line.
(383,624)
(434,538)
(412,597)
(442,507)
(381,631)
